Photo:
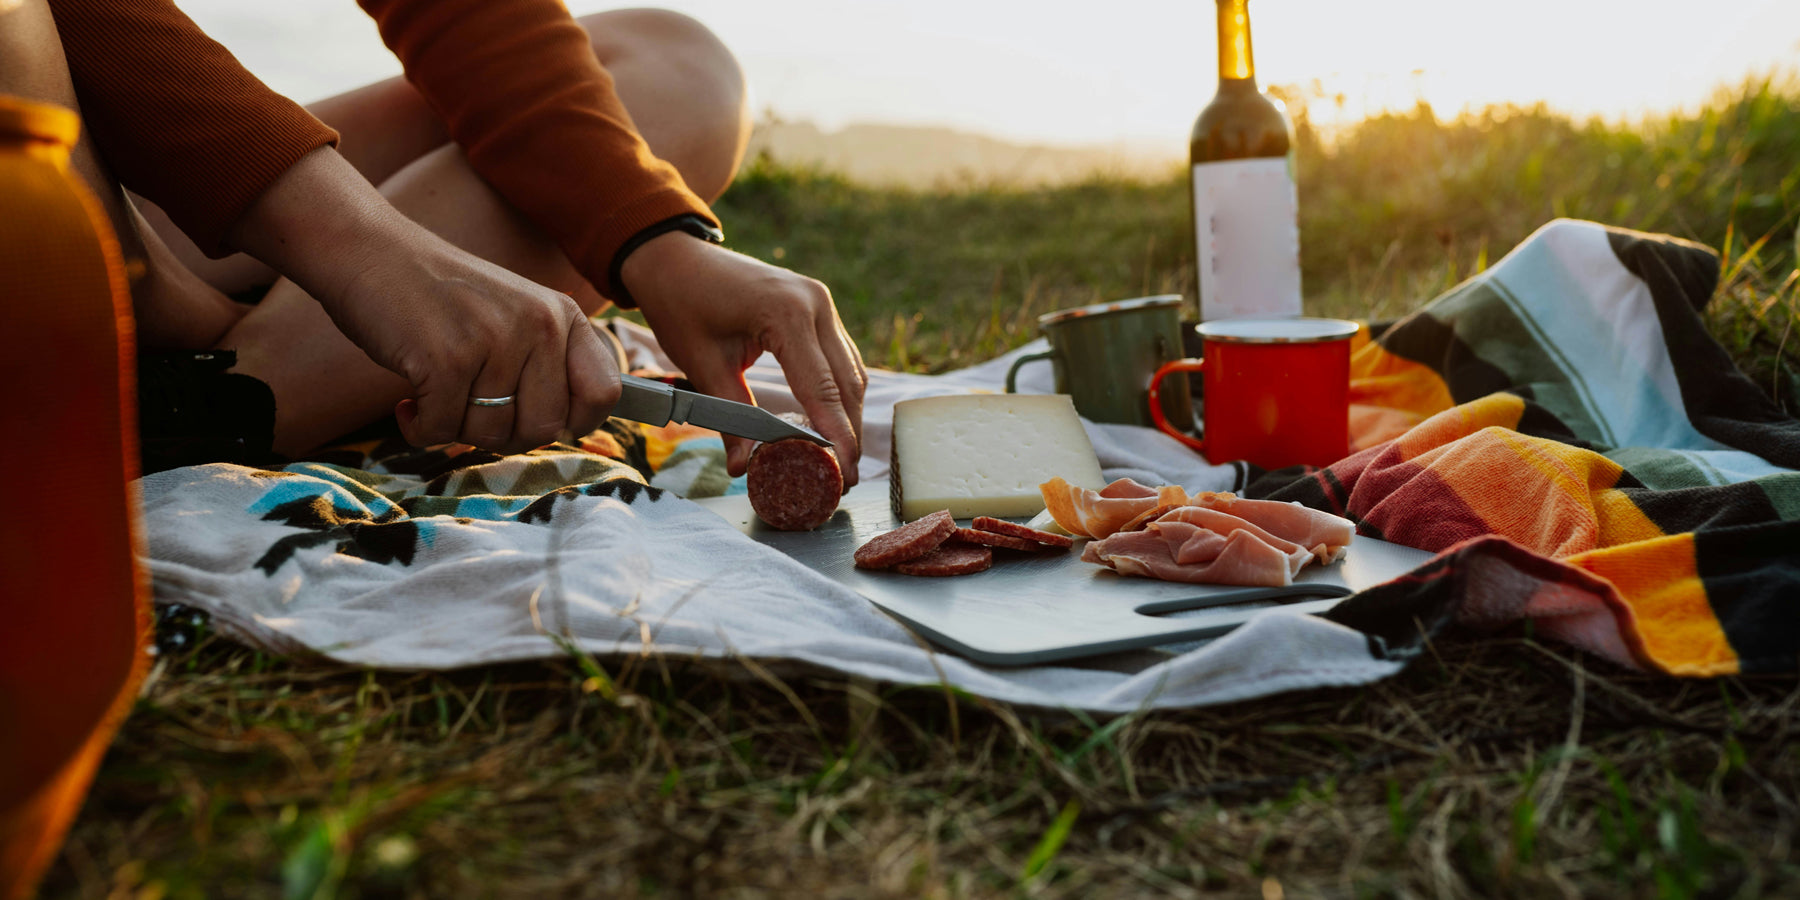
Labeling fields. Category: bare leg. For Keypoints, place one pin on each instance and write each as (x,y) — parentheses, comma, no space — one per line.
(683,89)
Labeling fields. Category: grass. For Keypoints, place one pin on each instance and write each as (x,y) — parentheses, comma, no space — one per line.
(1496,765)
(1393,212)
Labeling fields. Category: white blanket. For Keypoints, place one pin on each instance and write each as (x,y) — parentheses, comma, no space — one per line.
(490,563)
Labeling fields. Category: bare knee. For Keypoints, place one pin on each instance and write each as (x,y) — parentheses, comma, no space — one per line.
(683,87)
(621,33)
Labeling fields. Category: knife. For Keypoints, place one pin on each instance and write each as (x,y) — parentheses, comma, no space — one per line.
(656,403)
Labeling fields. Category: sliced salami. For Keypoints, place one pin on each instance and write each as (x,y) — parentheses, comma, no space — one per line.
(1014,529)
(794,485)
(949,559)
(995,539)
(909,541)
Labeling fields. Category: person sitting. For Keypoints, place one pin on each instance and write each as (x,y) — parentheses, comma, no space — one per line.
(434,244)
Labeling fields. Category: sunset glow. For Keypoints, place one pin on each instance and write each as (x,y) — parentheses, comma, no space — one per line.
(1133,70)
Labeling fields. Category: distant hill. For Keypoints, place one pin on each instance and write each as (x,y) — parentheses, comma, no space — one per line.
(924,156)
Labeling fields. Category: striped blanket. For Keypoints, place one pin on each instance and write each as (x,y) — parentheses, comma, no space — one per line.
(1584,454)
(1561,429)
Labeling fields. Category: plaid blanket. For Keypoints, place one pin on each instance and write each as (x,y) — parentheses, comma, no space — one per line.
(1561,429)
(1586,456)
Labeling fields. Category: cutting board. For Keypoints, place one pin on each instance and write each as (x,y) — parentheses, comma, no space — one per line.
(1035,608)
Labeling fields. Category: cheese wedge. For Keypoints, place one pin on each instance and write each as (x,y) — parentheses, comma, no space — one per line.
(986,454)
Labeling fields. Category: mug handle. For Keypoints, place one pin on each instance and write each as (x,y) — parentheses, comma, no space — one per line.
(1198,445)
(1012,373)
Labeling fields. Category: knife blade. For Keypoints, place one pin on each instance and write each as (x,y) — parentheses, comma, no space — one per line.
(656,403)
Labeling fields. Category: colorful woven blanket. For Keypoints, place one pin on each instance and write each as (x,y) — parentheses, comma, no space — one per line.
(1564,427)
(1561,427)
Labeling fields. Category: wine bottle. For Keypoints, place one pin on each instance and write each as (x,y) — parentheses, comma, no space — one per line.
(1246,229)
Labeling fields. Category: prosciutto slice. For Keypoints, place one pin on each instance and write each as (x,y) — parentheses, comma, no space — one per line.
(1325,535)
(1179,551)
(1094,514)
(1212,538)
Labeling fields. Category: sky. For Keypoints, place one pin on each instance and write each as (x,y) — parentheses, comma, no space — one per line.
(1129,71)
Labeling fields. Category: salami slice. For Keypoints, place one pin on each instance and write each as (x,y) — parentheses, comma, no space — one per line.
(794,485)
(1014,529)
(950,559)
(909,541)
(994,539)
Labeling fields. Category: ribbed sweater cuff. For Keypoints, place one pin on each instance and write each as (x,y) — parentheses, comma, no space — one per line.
(595,259)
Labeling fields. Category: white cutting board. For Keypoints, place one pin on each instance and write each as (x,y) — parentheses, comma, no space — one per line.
(1039,607)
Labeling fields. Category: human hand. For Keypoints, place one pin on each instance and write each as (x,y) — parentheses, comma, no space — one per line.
(459,328)
(452,324)
(715,311)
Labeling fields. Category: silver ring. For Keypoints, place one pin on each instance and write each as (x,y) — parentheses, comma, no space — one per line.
(493,401)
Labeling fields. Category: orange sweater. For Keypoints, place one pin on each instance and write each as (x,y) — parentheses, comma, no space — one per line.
(181,122)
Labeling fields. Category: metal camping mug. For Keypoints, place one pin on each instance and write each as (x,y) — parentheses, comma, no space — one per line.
(1103,356)
(1277,391)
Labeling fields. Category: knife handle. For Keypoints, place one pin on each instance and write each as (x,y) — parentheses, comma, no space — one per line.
(644,400)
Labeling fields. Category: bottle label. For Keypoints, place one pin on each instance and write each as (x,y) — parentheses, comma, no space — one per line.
(1247,237)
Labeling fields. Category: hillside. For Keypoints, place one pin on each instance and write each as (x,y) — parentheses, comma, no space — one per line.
(898,155)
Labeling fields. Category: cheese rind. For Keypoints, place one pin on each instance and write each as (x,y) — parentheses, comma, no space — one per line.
(986,454)
(1044,521)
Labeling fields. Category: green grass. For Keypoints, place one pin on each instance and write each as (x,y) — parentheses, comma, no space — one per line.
(1495,765)
(1393,212)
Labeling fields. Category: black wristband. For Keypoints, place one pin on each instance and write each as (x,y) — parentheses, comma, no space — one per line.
(692,223)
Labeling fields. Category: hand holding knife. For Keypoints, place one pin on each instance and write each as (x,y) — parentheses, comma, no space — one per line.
(655,403)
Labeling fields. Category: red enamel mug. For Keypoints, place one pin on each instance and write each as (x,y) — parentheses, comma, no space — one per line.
(1277,391)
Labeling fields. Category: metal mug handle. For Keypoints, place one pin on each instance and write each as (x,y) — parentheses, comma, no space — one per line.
(1198,445)
(1012,372)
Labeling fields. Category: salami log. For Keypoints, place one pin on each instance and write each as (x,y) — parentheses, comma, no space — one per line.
(794,485)
(949,559)
(1001,526)
(909,541)
(993,539)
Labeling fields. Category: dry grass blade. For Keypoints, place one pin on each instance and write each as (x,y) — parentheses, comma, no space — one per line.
(711,782)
